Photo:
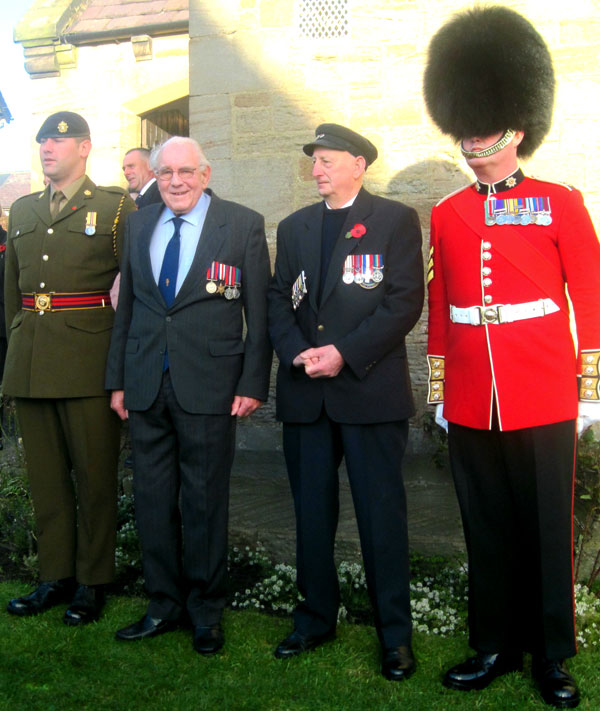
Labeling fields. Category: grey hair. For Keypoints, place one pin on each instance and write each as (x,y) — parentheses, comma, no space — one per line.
(178,141)
(145,152)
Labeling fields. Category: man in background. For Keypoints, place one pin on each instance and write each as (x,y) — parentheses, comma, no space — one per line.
(140,177)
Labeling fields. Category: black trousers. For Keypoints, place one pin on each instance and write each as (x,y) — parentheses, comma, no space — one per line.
(515,491)
(182,465)
(373,455)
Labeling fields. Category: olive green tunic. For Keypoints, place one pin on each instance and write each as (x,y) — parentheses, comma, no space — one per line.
(55,369)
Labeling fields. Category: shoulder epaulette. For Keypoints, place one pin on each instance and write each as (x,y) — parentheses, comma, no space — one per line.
(553,182)
(455,192)
(37,194)
(112,189)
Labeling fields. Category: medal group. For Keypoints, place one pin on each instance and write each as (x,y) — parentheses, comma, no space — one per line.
(366,270)
(224,279)
(518,211)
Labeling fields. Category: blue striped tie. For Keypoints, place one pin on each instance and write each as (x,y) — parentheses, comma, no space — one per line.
(168,272)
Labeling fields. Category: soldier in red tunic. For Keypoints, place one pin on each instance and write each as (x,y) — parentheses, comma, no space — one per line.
(506,372)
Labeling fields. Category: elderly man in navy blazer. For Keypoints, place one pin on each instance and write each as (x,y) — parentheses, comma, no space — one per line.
(348,288)
(181,367)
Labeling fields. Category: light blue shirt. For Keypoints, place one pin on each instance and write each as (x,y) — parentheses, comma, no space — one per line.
(190,230)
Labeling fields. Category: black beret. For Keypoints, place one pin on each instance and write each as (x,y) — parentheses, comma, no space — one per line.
(340,138)
(489,70)
(64,124)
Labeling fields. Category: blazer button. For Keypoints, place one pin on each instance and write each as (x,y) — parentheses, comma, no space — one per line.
(168,319)
(320,327)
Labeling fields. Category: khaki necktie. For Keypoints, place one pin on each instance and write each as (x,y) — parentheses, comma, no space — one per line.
(57,198)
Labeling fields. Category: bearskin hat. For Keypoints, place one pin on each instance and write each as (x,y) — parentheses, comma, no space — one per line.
(489,70)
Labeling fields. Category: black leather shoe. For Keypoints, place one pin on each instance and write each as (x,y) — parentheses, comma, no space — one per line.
(208,639)
(296,643)
(557,686)
(86,605)
(479,671)
(45,596)
(146,627)
(397,663)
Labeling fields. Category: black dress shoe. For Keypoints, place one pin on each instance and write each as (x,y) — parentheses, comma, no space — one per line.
(479,671)
(146,627)
(557,686)
(296,643)
(208,639)
(45,596)
(397,663)
(86,605)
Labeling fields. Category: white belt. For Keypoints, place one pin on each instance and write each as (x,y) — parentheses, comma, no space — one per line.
(502,313)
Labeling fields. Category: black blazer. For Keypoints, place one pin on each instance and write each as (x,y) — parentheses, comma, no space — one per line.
(211,359)
(151,196)
(367,326)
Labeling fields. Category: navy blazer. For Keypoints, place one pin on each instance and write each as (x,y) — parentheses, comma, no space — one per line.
(211,357)
(151,196)
(367,326)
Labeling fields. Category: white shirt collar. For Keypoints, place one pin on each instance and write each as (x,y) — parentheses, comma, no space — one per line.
(148,184)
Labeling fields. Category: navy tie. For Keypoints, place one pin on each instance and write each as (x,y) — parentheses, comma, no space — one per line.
(168,272)
(170,266)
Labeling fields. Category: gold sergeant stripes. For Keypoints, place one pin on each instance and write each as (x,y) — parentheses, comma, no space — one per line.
(436,366)
(589,385)
(430,266)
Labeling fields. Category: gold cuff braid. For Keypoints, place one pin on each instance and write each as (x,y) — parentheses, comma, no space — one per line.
(435,394)
(589,385)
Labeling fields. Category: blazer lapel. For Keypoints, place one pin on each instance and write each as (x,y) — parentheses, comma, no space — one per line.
(310,252)
(359,212)
(209,245)
(141,244)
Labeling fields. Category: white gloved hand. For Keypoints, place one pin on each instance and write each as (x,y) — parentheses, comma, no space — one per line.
(439,417)
(589,412)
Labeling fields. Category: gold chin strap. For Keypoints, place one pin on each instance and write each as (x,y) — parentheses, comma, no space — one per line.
(498,146)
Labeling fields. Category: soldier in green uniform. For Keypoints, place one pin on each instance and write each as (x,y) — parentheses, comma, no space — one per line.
(62,257)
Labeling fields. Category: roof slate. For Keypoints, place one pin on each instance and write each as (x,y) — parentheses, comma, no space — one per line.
(106,15)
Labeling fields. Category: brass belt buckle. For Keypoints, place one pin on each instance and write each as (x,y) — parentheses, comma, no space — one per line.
(490,315)
(43,302)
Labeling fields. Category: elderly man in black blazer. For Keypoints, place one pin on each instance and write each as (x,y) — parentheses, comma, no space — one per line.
(182,368)
(348,288)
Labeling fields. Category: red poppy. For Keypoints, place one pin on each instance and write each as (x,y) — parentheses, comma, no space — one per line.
(358,231)
(2,247)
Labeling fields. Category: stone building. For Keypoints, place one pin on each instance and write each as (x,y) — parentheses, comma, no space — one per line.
(254,77)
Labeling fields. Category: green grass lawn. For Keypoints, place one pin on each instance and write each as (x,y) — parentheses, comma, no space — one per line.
(47,666)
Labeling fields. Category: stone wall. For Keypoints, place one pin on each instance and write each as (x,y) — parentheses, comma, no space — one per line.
(258,88)
(110,88)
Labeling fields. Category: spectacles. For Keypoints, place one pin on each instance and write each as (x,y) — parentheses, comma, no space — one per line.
(166,174)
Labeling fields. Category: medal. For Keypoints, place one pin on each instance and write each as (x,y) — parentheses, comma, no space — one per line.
(211,277)
(377,268)
(348,272)
(90,223)
(299,290)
